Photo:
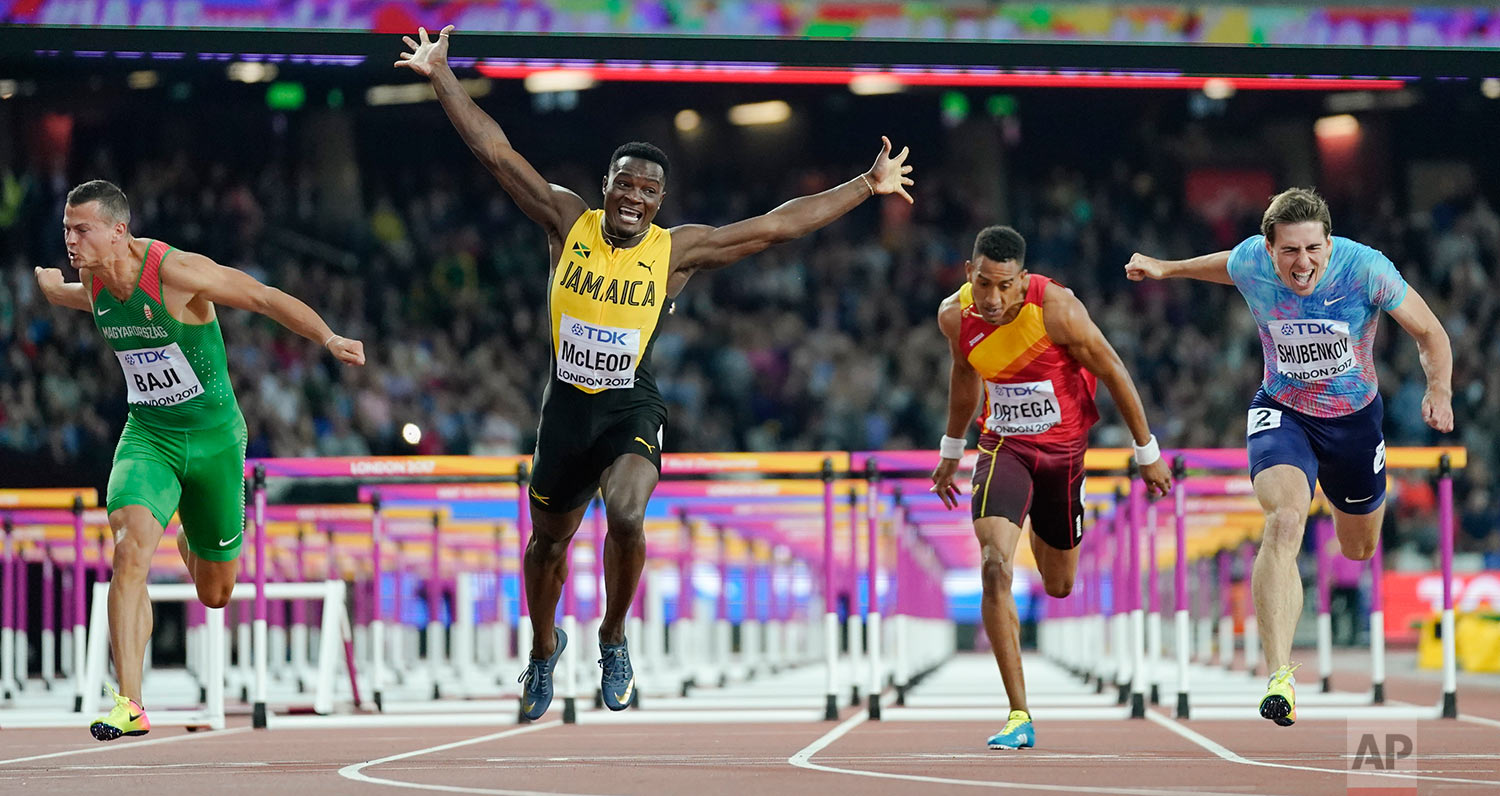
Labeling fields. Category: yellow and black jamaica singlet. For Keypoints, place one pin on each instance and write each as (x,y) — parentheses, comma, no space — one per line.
(601,400)
(605,306)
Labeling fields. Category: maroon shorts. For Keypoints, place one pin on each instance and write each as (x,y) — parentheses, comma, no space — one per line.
(1015,477)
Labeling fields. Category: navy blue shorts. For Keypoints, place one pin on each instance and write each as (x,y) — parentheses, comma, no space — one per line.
(1345,454)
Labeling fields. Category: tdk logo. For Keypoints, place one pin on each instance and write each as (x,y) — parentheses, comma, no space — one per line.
(1308,327)
(1015,390)
(606,336)
(146,357)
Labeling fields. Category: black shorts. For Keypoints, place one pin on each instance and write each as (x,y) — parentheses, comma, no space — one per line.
(582,434)
(1014,477)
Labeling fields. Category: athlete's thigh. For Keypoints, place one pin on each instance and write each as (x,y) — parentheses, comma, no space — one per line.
(1276,438)
(1002,485)
(997,538)
(1358,531)
(1351,459)
(564,472)
(1056,565)
(146,472)
(213,493)
(632,447)
(1057,498)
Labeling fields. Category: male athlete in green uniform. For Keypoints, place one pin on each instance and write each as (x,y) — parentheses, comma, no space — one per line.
(183,447)
(613,274)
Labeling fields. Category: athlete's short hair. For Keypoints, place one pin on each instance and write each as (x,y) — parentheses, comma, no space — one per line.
(111,199)
(1294,206)
(644,151)
(1000,242)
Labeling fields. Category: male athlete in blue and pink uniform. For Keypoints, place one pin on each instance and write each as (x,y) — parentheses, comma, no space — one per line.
(1317,416)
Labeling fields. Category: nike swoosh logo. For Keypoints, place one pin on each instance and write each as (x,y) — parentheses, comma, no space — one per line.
(1361,500)
(624,696)
(101,312)
(134,716)
(649,447)
(230,541)
(1329,302)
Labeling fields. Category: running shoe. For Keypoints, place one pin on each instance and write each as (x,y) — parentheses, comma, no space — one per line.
(618,682)
(1280,702)
(127,717)
(1017,733)
(536,681)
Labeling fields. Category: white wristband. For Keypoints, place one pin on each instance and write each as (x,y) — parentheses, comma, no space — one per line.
(329,340)
(951,447)
(1149,453)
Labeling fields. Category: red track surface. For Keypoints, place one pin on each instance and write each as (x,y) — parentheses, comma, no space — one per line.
(1123,757)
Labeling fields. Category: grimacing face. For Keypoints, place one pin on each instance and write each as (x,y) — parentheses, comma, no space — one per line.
(633,192)
(1300,254)
(89,235)
(999,287)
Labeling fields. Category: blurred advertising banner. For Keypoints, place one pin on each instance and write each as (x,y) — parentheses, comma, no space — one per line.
(1411,597)
(1393,26)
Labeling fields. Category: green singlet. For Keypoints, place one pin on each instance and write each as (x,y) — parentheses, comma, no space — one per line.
(183,447)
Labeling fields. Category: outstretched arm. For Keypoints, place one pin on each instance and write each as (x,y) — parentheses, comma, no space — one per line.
(1436,355)
(710,247)
(1068,324)
(1208,268)
(552,206)
(200,277)
(63,294)
(964,393)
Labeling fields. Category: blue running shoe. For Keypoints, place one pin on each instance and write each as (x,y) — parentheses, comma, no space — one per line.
(618,683)
(536,681)
(1017,733)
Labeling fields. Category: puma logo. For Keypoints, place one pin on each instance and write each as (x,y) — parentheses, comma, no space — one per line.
(649,447)
(643,265)
(542,499)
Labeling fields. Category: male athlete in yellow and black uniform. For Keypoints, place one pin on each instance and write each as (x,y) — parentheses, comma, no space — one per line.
(613,274)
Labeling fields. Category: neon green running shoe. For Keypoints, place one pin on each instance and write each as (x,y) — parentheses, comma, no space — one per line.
(126,718)
(1280,702)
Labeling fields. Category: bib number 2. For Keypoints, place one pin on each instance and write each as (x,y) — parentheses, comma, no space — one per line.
(1262,419)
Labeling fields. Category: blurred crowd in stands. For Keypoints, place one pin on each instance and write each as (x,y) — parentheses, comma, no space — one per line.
(828,342)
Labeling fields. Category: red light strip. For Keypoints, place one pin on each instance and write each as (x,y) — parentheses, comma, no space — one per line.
(677,73)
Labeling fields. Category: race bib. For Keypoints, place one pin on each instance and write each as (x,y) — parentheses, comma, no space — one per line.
(1021,409)
(158,376)
(1311,350)
(1262,418)
(597,357)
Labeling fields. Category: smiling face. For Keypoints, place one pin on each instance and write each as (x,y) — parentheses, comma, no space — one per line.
(1300,253)
(999,287)
(633,191)
(90,235)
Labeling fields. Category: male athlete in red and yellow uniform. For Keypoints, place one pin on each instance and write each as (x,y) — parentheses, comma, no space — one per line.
(1027,347)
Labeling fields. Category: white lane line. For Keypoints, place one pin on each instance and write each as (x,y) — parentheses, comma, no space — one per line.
(1223,752)
(1479,720)
(127,745)
(355,770)
(803,759)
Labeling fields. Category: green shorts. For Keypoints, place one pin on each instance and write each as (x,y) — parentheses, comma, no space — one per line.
(200,474)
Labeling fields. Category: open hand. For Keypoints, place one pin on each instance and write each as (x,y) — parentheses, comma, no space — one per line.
(942,482)
(428,55)
(888,175)
(1158,478)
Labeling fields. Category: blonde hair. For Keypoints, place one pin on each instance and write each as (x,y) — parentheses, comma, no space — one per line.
(1294,206)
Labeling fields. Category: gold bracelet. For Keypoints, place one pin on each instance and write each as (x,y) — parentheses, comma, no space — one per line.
(867,184)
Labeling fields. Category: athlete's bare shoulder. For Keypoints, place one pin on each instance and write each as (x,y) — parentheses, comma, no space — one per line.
(950,314)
